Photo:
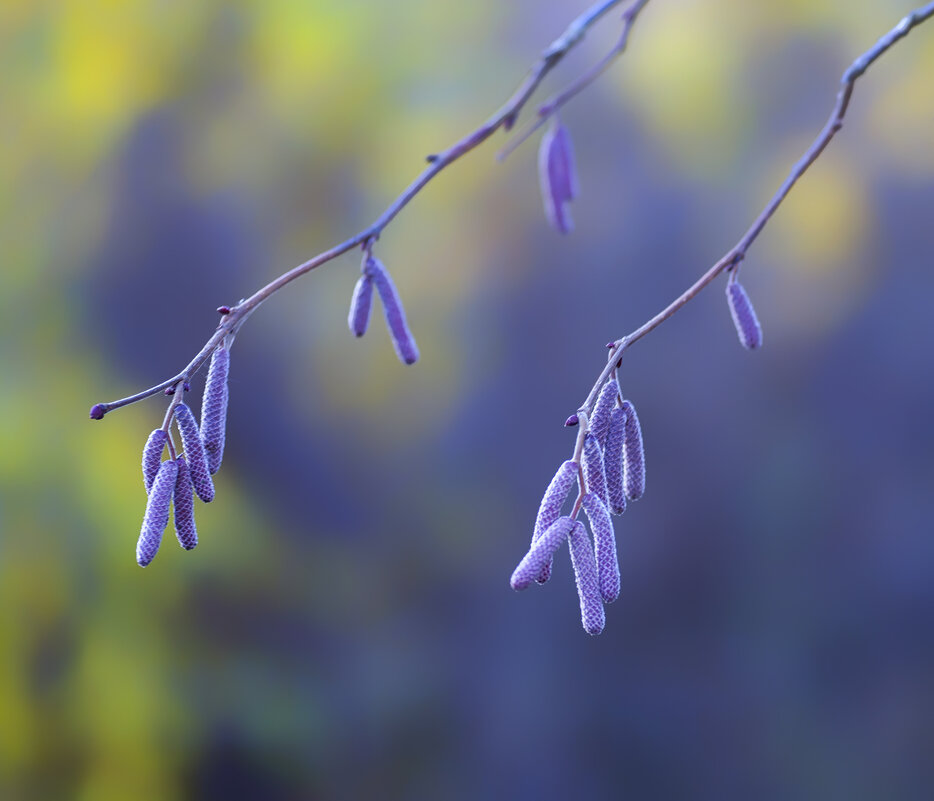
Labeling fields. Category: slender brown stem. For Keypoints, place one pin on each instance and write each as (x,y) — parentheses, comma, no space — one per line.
(738,252)
(503,118)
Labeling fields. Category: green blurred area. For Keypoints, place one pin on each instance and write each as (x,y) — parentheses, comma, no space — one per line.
(319,113)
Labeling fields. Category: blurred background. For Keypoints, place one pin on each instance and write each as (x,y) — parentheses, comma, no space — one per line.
(345,629)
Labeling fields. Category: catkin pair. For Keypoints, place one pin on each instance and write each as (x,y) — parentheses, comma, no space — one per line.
(361,303)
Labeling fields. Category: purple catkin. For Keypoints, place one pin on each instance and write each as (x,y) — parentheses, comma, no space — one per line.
(157,513)
(585,574)
(604,540)
(402,338)
(594,473)
(541,553)
(557,176)
(152,456)
(550,508)
(360,305)
(744,316)
(600,419)
(633,454)
(214,409)
(194,453)
(184,504)
(613,461)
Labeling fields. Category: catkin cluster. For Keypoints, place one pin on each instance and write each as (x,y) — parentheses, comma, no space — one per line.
(609,469)
(173,482)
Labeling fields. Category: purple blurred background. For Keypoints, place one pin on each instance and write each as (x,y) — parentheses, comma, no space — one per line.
(346,628)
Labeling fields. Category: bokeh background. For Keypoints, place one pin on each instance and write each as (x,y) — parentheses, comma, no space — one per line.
(345,629)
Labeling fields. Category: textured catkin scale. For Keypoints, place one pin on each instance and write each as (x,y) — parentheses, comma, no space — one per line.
(593,617)
(604,541)
(594,472)
(633,454)
(183,503)
(194,453)
(557,176)
(613,461)
(744,316)
(541,553)
(361,303)
(402,338)
(550,508)
(600,419)
(152,456)
(214,409)
(157,513)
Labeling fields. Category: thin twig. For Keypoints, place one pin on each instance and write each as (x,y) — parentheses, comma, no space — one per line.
(503,118)
(737,253)
(551,106)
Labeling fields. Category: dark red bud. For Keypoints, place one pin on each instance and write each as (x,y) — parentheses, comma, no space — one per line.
(223,309)
(572,421)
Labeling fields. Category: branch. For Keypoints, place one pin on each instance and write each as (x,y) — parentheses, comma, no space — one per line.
(551,106)
(731,259)
(233,318)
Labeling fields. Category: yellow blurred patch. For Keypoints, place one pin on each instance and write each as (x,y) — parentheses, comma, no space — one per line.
(826,218)
(902,117)
(688,85)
